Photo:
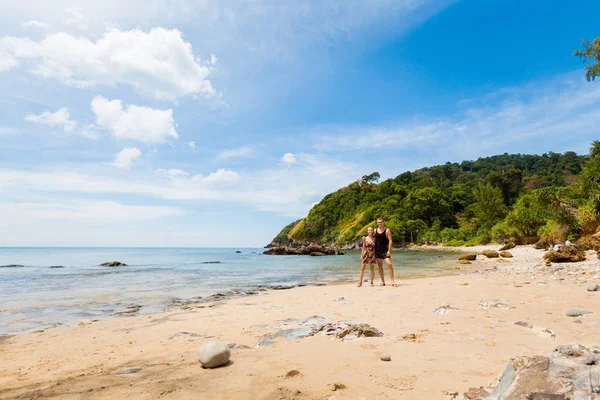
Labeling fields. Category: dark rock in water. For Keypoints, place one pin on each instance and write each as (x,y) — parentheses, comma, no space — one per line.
(129,371)
(113,264)
(237,251)
(490,253)
(508,246)
(316,254)
(12,266)
(57,266)
(468,256)
(129,312)
(281,287)
(565,254)
(210,262)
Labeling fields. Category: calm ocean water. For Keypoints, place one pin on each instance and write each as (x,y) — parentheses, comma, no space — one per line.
(36,296)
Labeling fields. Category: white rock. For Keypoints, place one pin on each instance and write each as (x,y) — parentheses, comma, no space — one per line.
(214,354)
(385,357)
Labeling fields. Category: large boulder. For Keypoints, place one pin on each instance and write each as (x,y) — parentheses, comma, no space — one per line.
(506,254)
(214,354)
(565,254)
(490,253)
(468,256)
(569,372)
(508,246)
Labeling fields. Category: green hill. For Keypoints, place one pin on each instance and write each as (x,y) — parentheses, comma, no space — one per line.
(508,196)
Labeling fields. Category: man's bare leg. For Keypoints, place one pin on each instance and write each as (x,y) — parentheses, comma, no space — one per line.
(388,261)
(380,265)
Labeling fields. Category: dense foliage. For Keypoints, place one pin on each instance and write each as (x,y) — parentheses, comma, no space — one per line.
(499,198)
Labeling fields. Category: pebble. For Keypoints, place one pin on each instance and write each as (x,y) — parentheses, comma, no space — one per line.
(385,357)
(214,354)
(577,313)
(593,288)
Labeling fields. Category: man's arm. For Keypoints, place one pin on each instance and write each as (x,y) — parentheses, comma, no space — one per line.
(389,236)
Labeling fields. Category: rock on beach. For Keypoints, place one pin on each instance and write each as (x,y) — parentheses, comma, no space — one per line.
(214,354)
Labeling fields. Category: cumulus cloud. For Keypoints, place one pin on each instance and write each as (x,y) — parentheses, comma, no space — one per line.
(58,118)
(126,157)
(159,63)
(171,172)
(289,158)
(134,122)
(220,176)
(235,153)
(76,19)
(34,24)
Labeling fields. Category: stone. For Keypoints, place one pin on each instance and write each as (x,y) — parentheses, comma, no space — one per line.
(293,373)
(524,324)
(493,303)
(12,266)
(577,313)
(565,254)
(214,354)
(113,264)
(129,371)
(237,346)
(238,252)
(57,266)
(210,262)
(468,256)
(490,253)
(385,357)
(336,386)
(506,254)
(593,288)
(508,246)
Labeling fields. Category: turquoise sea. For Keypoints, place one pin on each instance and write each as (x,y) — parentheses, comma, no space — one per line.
(36,296)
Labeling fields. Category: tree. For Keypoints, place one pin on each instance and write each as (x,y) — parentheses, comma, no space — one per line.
(371,178)
(590,54)
(489,206)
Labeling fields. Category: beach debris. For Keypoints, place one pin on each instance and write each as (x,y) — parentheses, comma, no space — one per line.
(336,386)
(577,313)
(293,373)
(237,346)
(87,322)
(549,332)
(113,264)
(444,308)
(524,324)
(569,372)
(385,357)
(468,257)
(12,266)
(490,253)
(214,354)
(593,288)
(129,371)
(506,254)
(129,311)
(312,325)
(493,303)
(190,334)
(508,246)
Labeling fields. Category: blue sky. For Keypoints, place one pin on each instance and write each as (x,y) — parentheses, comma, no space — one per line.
(216,123)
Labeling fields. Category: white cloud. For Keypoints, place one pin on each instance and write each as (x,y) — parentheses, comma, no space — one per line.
(126,157)
(192,145)
(134,122)
(289,158)
(58,118)
(236,153)
(159,62)
(34,24)
(85,210)
(171,172)
(220,176)
(76,19)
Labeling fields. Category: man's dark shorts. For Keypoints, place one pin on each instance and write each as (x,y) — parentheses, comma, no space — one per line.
(382,256)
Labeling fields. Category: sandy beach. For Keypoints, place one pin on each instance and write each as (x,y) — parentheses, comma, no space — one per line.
(432,354)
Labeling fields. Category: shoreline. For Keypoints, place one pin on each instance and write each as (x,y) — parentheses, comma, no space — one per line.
(432,354)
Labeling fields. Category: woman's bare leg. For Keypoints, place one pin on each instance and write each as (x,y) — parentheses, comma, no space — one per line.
(362,274)
(372,273)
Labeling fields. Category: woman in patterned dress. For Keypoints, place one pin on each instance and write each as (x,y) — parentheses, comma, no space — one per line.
(368,256)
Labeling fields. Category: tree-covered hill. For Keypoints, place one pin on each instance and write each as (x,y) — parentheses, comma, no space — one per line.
(509,196)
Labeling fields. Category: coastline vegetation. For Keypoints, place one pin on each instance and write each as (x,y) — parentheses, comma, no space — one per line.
(510,197)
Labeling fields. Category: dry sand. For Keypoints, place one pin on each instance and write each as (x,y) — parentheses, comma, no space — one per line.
(431,354)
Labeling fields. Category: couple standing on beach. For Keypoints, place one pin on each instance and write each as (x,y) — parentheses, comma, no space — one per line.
(377,248)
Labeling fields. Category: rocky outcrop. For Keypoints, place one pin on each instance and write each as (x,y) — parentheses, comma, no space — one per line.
(468,257)
(565,254)
(490,253)
(113,264)
(305,250)
(569,372)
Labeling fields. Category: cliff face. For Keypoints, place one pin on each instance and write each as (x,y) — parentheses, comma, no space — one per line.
(470,201)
